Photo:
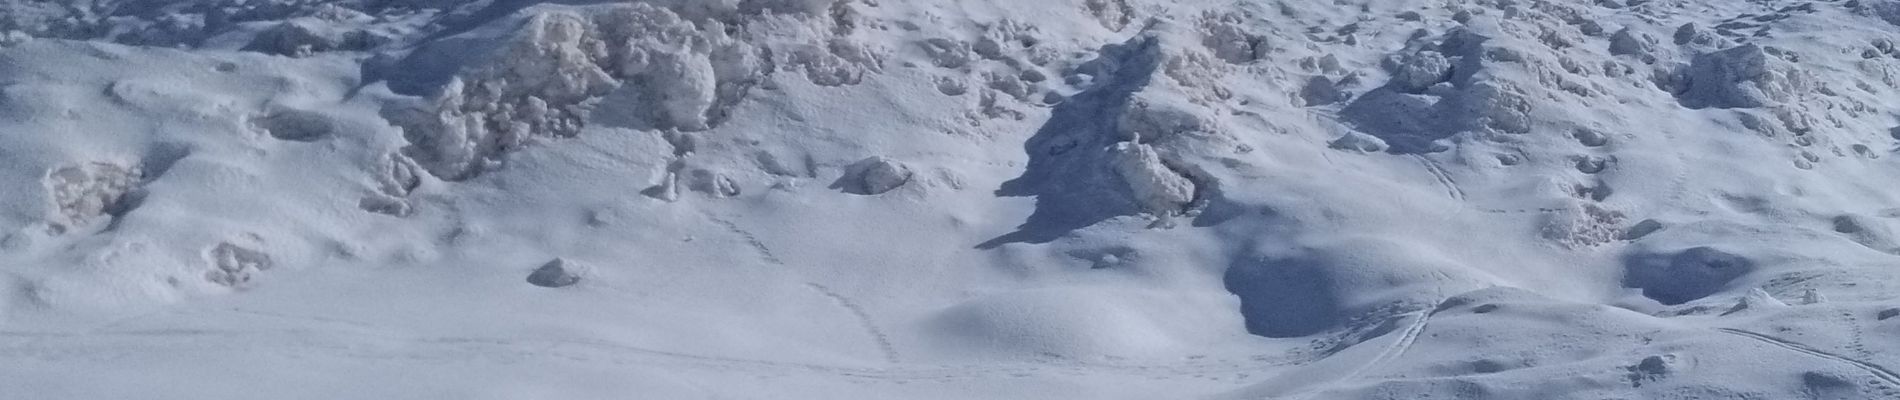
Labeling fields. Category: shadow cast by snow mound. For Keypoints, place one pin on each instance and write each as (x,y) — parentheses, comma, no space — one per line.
(1066,156)
(1307,290)
(1409,123)
(1682,276)
(1284,298)
(1436,91)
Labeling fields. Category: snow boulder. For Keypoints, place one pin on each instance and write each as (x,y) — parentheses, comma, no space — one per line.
(558,273)
(1582,224)
(234,265)
(875,175)
(83,193)
(1746,76)
(484,93)
(1157,187)
(1319,91)
(712,183)
(1754,300)
(1419,71)
(1358,142)
(302,39)
(1627,42)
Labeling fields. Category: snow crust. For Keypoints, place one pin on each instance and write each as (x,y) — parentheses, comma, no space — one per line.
(1355,199)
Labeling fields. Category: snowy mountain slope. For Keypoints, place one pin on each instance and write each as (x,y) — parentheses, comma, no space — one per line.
(977,199)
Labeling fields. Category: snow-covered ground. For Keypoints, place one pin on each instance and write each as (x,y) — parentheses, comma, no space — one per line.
(998,199)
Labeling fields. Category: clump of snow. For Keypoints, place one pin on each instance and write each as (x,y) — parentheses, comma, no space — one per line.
(1628,42)
(1420,70)
(712,183)
(1746,76)
(396,178)
(1653,368)
(1812,297)
(1158,188)
(563,64)
(875,175)
(83,193)
(1585,225)
(303,39)
(1756,300)
(233,265)
(1359,142)
(1228,38)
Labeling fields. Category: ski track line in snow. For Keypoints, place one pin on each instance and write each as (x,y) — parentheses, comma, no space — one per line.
(33,339)
(1679,182)
(1546,210)
(870,327)
(1407,337)
(1857,342)
(750,239)
(888,351)
(403,347)
(1885,375)
(1444,178)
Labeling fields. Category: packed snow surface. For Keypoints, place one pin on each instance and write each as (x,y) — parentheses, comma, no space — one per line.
(909,199)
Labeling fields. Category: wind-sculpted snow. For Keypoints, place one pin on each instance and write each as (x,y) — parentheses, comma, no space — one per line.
(1289,199)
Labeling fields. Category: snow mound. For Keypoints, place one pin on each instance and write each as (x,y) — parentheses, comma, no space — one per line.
(1083,323)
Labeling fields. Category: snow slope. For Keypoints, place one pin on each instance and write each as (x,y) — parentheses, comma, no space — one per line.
(1103,199)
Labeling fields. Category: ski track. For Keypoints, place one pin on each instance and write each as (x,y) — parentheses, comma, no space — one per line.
(751,240)
(1407,337)
(883,341)
(395,346)
(1444,178)
(1885,375)
(864,319)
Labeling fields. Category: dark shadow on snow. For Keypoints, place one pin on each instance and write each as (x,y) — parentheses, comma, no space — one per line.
(1067,170)
(1408,123)
(1683,276)
(1284,297)
(1414,122)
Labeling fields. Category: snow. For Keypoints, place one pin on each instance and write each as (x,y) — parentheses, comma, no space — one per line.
(1466,199)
